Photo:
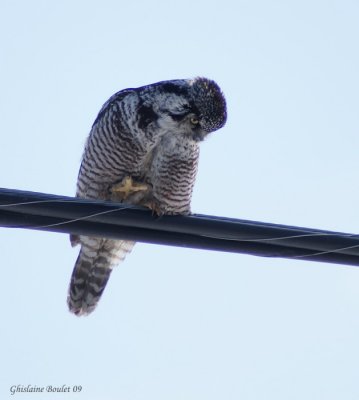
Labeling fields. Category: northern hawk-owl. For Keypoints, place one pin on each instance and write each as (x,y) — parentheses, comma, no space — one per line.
(143,149)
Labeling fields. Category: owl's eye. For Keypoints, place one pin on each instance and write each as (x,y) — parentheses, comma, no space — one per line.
(194,121)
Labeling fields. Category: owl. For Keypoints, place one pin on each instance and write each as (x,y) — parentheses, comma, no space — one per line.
(143,149)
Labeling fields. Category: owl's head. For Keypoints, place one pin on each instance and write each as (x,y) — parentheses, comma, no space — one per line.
(194,107)
(208,104)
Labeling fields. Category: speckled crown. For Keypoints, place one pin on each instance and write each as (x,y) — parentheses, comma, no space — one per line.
(210,102)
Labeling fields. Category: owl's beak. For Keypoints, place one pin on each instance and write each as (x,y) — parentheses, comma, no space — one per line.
(199,134)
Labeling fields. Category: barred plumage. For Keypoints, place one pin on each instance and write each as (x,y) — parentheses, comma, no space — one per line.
(143,149)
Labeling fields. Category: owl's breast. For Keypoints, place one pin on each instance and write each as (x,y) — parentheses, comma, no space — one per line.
(172,172)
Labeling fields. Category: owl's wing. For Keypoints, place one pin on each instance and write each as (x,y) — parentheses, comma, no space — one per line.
(105,161)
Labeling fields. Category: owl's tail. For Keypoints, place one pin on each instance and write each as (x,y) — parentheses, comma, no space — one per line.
(92,270)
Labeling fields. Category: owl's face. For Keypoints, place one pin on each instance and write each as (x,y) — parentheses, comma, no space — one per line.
(185,121)
(192,108)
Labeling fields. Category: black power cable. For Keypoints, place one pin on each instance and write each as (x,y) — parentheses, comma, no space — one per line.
(20,209)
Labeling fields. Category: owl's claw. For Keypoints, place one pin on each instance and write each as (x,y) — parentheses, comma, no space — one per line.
(153,206)
(126,187)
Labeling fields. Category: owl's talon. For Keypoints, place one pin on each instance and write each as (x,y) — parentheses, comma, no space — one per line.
(153,206)
(126,187)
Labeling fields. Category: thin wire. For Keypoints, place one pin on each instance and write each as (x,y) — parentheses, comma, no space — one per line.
(86,217)
(326,252)
(273,238)
(36,202)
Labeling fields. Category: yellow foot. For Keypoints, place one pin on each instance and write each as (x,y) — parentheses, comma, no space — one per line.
(126,187)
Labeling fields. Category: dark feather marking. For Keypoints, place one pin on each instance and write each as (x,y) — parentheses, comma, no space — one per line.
(146,115)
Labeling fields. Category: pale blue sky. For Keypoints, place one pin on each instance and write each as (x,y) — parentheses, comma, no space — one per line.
(175,323)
